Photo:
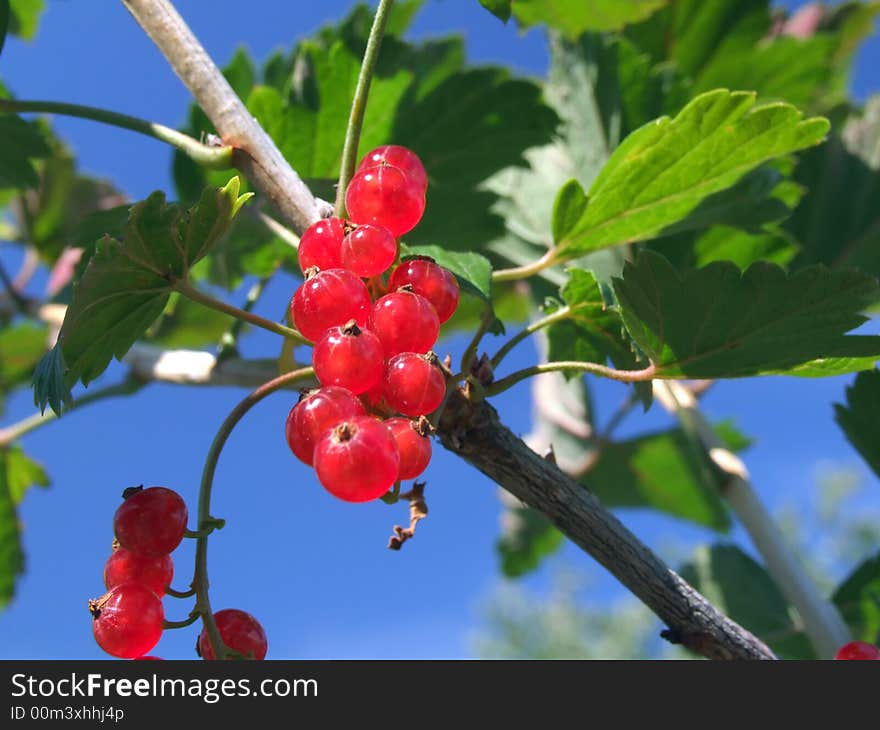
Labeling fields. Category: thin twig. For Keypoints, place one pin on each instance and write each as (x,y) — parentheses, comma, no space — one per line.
(622,376)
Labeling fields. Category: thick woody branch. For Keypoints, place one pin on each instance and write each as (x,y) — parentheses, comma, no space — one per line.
(255,153)
(474,432)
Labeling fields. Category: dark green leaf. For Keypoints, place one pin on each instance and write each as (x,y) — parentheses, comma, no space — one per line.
(717,322)
(527,537)
(126,286)
(662,471)
(858,598)
(663,171)
(186,324)
(4,22)
(21,347)
(499,8)
(573,17)
(723,243)
(741,589)
(860,417)
(22,141)
(17,474)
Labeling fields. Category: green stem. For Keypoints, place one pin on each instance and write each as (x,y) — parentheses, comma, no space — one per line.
(189,291)
(215,158)
(557,316)
(469,356)
(359,103)
(623,376)
(188,621)
(200,578)
(169,591)
(34,421)
(527,270)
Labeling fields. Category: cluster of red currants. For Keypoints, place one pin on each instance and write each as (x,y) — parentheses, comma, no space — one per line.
(373,333)
(128,620)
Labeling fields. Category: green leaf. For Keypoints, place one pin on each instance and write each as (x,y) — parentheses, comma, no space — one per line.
(662,471)
(473,271)
(499,8)
(4,22)
(717,322)
(22,141)
(126,286)
(186,324)
(724,243)
(21,347)
(860,417)
(527,537)
(663,171)
(741,589)
(732,438)
(24,17)
(573,17)
(858,599)
(17,474)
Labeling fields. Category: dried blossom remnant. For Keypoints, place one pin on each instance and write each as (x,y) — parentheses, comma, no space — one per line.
(418,510)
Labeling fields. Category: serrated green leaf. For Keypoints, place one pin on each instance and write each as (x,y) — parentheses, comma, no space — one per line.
(22,142)
(17,474)
(473,271)
(717,322)
(741,589)
(663,171)
(860,417)
(527,537)
(660,471)
(858,599)
(499,8)
(573,17)
(21,347)
(126,286)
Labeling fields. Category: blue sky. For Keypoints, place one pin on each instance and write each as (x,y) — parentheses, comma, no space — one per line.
(314,571)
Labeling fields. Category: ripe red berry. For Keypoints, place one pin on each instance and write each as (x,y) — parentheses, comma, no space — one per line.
(368,250)
(858,650)
(316,415)
(240,631)
(404,322)
(358,460)
(349,357)
(397,156)
(385,196)
(328,299)
(430,280)
(414,385)
(150,521)
(413,445)
(127,621)
(321,245)
(124,566)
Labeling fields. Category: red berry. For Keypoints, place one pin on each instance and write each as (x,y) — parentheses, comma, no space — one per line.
(397,156)
(127,621)
(413,445)
(369,250)
(328,299)
(148,657)
(358,460)
(150,521)
(414,385)
(349,357)
(316,415)
(858,650)
(124,566)
(404,322)
(321,245)
(430,280)
(385,196)
(240,631)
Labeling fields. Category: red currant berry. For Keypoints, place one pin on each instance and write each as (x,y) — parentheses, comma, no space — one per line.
(124,566)
(321,244)
(316,415)
(148,657)
(127,622)
(369,250)
(349,357)
(428,279)
(328,299)
(414,384)
(858,650)
(240,631)
(358,460)
(404,322)
(397,156)
(150,521)
(385,196)
(413,445)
